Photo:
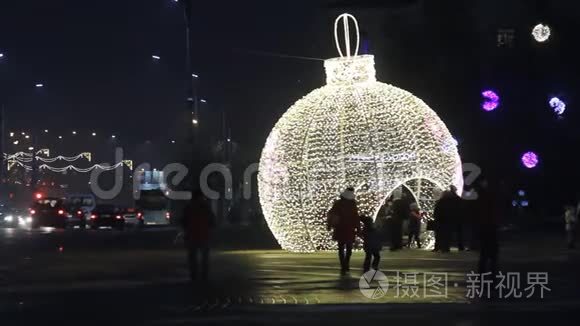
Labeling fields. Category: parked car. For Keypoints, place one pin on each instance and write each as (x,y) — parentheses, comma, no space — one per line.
(77,216)
(10,217)
(106,216)
(133,217)
(155,207)
(85,202)
(48,212)
(80,207)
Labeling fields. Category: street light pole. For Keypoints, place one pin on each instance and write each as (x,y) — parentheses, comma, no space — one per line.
(192,96)
(2,147)
(34,175)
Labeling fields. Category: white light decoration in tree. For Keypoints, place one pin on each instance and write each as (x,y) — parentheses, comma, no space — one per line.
(541,33)
(19,159)
(104,167)
(358,132)
(27,157)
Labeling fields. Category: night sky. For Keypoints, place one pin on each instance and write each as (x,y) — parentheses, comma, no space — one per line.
(94,58)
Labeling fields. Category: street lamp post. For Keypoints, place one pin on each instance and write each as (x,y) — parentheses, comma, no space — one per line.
(2,147)
(34,173)
(191,94)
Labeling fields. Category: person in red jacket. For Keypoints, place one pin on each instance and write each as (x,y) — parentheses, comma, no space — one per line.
(198,219)
(344,220)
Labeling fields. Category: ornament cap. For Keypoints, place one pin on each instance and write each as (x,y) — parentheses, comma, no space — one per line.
(349,68)
(344,71)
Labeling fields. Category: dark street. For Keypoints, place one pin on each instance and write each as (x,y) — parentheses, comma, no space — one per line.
(141,277)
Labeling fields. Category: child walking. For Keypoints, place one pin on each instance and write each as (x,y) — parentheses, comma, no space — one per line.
(372,244)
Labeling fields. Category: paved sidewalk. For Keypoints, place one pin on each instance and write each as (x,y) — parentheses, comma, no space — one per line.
(152,285)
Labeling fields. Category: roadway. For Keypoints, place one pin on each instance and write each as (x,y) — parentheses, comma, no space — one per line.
(141,277)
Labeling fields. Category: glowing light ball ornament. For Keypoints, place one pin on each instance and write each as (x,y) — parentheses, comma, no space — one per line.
(354,131)
(557,105)
(530,160)
(490,100)
(541,33)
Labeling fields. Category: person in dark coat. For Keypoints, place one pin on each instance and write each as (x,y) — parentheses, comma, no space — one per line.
(401,212)
(456,217)
(371,244)
(570,221)
(414,226)
(344,221)
(487,223)
(198,219)
(442,219)
(470,220)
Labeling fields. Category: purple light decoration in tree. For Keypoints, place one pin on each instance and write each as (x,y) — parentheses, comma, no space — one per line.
(557,105)
(530,160)
(490,100)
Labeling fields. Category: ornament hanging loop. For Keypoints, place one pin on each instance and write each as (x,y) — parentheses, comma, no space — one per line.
(345,22)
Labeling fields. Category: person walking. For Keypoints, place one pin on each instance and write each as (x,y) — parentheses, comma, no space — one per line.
(456,217)
(442,218)
(487,225)
(414,226)
(470,221)
(371,244)
(570,219)
(198,219)
(344,221)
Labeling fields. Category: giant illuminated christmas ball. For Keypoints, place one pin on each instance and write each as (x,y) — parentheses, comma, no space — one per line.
(354,131)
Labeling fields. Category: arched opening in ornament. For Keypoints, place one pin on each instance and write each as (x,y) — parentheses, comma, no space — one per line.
(426,193)
(422,191)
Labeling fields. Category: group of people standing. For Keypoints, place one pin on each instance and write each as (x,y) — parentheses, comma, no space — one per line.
(452,215)
(449,222)
(399,211)
(346,224)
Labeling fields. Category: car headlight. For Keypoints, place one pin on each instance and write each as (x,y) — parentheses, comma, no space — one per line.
(28,219)
(8,218)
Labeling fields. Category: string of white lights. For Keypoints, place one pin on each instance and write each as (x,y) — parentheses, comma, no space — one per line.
(104,167)
(12,163)
(27,157)
(82,170)
(86,156)
(352,132)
